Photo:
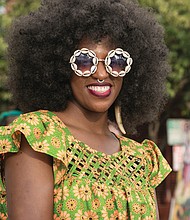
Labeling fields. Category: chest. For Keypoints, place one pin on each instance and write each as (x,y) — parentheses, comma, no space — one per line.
(107,144)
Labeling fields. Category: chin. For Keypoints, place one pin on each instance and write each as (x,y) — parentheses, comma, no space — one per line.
(99,109)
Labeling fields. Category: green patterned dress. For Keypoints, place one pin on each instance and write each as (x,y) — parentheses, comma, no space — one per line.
(89,184)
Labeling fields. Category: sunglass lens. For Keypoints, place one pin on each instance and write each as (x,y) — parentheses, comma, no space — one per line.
(84,62)
(118,62)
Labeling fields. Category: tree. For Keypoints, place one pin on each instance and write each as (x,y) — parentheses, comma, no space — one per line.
(10,9)
(175,17)
(3,67)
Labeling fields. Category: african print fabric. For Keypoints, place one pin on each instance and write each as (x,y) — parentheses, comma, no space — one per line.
(89,184)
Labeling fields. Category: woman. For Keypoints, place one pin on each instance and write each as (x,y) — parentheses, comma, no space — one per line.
(72,65)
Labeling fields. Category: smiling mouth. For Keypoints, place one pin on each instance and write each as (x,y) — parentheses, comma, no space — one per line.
(100,91)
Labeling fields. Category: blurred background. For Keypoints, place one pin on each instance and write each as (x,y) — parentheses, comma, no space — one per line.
(172,131)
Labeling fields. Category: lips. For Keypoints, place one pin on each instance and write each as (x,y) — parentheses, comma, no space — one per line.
(100,90)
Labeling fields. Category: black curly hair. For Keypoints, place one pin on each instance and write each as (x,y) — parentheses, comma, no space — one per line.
(41,44)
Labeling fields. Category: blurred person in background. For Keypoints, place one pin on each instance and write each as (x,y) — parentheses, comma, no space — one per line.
(8,116)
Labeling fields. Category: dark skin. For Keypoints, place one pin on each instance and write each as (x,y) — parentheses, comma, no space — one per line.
(106,141)
(29,193)
(86,117)
(89,111)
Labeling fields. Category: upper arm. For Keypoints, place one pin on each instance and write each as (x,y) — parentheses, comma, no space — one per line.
(29,184)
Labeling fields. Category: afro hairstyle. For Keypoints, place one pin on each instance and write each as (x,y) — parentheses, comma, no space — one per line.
(40,46)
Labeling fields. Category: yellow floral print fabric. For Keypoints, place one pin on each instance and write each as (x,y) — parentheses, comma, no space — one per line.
(89,184)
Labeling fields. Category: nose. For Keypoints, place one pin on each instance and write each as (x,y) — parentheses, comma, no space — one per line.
(101,72)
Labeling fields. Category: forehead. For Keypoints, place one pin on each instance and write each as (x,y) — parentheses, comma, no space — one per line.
(93,45)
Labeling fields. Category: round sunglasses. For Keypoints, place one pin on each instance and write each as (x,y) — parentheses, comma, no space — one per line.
(117,63)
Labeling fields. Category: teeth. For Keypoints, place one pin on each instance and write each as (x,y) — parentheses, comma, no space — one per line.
(101,89)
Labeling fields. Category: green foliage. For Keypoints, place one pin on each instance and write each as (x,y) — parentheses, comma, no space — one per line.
(3,65)
(19,7)
(175,17)
(22,7)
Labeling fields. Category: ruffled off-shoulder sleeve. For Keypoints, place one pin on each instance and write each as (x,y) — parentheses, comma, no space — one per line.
(42,131)
(158,166)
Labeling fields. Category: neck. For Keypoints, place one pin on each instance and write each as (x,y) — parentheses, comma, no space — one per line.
(76,117)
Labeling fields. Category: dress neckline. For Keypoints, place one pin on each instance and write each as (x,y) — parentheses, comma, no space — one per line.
(74,140)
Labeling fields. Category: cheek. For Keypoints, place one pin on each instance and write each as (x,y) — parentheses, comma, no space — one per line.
(77,85)
(75,82)
(119,84)
(75,88)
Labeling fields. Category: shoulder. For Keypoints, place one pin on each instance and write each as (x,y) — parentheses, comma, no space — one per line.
(38,122)
(146,150)
(144,147)
(156,166)
(43,130)
(133,147)
(36,117)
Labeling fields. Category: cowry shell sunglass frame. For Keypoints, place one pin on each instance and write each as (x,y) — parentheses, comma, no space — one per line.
(84,62)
